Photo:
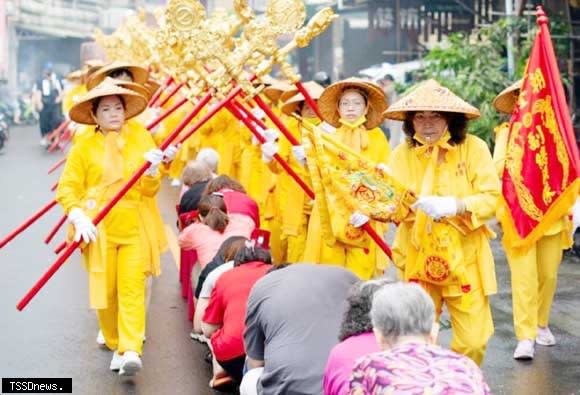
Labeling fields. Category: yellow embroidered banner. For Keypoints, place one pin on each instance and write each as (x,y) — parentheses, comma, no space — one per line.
(345,182)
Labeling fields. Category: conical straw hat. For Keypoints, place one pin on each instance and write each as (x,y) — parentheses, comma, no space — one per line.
(81,112)
(140,74)
(328,103)
(294,103)
(506,100)
(293,90)
(153,86)
(75,75)
(140,89)
(274,91)
(430,96)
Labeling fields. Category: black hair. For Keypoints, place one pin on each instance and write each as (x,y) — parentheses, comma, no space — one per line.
(121,72)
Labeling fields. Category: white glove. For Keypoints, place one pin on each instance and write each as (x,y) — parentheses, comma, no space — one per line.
(155,157)
(270,134)
(575,216)
(327,128)
(358,219)
(437,207)
(170,153)
(84,227)
(299,154)
(258,113)
(269,149)
(384,168)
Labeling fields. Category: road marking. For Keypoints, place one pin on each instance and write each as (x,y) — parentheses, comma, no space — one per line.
(173,245)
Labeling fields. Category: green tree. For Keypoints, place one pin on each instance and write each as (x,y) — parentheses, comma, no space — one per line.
(474,66)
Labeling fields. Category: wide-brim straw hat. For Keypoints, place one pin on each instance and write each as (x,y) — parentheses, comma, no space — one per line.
(140,74)
(82,111)
(75,75)
(275,91)
(140,89)
(293,104)
(430,95)
(153,86)
(377,102)
(293,90)
(506,100)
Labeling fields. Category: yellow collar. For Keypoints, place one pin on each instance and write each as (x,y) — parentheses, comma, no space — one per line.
(359,122)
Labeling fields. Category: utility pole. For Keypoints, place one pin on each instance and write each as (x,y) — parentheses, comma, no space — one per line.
(509,9)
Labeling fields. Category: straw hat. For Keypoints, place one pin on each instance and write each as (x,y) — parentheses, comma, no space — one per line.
(430,96)
(153,86)
(294,103)
(268,80)
(82,111)
(274,91)
(506,100)
(140,75)
(140,89)
(293,90)
(75,75)
(328,103)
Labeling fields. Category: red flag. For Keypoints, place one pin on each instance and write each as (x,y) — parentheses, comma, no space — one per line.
(540,179)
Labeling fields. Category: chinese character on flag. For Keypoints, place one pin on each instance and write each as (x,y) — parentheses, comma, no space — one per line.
(540,179)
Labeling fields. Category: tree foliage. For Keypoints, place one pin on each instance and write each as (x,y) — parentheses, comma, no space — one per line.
(474,66)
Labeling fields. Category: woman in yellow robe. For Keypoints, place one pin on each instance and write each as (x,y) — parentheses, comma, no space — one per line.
(294,205)
(452,173)
(354,107)
(122,250)
(534,270)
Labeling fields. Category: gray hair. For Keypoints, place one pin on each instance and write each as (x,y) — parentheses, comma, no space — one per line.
(210,157)
(357,318)
(402,309)
(195,171)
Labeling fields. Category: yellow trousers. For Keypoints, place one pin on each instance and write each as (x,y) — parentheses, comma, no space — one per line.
(534,277)
(123,321)
(472,326)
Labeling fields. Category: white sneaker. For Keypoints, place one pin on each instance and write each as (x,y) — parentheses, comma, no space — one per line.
(131,364)
(43,142)
(525,350)
(175,182)
(100,338)
(116,362)
(545,337)
(200,337)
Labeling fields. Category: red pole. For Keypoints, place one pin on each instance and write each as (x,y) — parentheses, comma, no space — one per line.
(53,188)
(55,230)
(57,165)
(276,120)
(27,223)
(175,89)
(242,114)
(57,131)
(157,94)
(60,247)
(309,99)
(166,113)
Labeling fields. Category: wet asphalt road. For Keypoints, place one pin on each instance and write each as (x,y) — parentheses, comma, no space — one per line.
(55,335)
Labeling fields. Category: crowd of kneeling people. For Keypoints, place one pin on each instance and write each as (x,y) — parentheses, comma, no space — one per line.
(278,328)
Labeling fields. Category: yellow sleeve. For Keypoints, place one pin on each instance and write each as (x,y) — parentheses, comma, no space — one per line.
(480,205)
(147,185)
(71,185)
(499,151)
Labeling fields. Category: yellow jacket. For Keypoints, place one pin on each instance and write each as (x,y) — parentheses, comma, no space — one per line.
(130,221)
(467,173)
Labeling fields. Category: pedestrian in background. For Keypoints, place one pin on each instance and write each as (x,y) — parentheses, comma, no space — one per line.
(47,93)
